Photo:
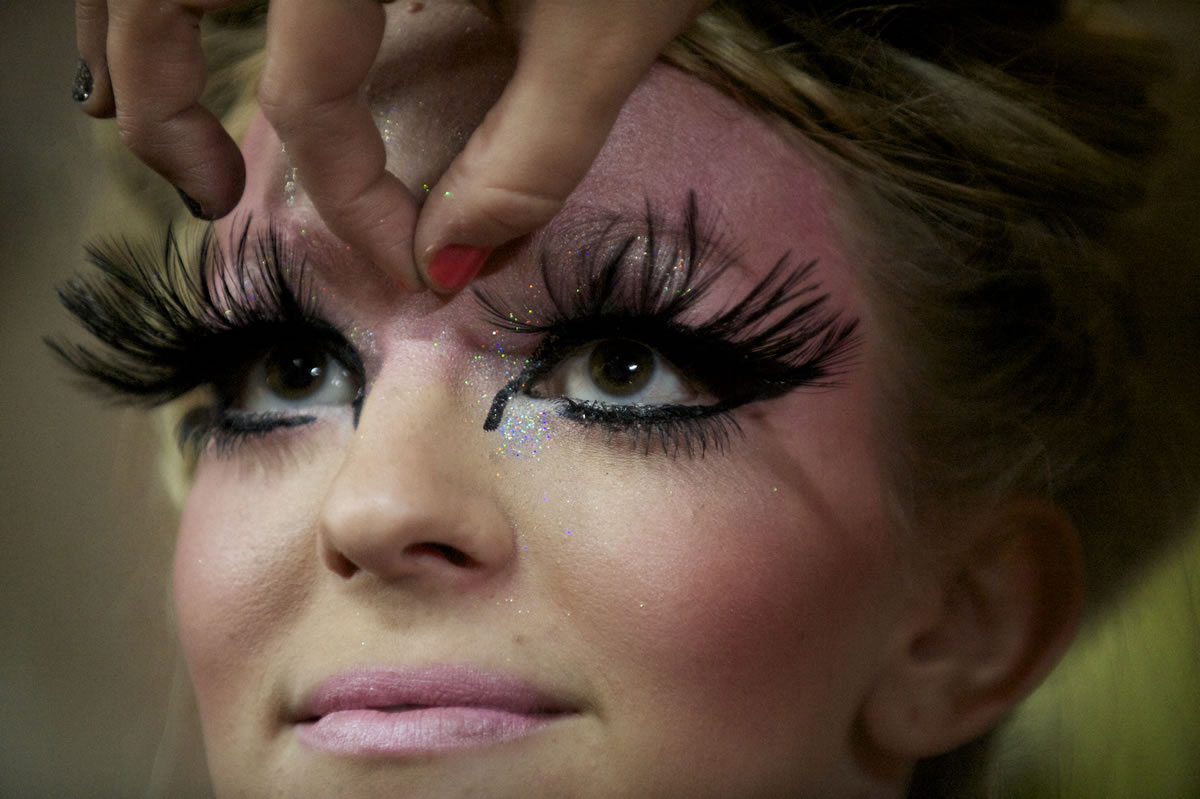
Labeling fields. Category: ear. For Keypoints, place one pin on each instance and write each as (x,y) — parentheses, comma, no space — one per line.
(985,627)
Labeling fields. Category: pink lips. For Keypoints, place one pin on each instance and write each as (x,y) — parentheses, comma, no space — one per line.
(387,712)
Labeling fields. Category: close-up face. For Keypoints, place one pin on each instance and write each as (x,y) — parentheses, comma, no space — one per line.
(592,529)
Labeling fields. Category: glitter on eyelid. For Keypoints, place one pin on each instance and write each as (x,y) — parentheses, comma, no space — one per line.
(363,339)
(386,123)
(291,180)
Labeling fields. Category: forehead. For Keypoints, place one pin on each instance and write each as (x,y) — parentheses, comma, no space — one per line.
(677,135)
(768,196)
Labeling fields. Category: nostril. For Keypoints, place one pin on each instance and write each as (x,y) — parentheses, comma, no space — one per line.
(339,564)
(452,555)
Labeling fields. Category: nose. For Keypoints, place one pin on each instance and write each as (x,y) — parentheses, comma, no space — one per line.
(412,500)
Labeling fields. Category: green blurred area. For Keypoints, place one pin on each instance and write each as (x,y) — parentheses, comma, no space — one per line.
(1120,717)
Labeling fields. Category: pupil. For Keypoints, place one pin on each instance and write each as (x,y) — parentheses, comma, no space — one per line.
(621,367)
(296,372)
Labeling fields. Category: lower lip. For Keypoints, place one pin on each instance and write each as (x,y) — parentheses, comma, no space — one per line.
(420,731)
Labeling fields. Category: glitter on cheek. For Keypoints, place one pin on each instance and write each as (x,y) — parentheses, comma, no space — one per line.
(524,427)
(521,609)
(525,431)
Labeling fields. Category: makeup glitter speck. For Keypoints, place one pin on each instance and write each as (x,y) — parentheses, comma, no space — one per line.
(524,432)
(290,178)
(386,122)
(363,339)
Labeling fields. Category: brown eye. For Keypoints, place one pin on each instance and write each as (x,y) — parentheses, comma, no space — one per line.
(620,367)
(295,371)
(296,374)
(616,372)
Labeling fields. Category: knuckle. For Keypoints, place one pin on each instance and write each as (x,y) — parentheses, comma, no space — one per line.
(279,105)
(516,211)
(150,139)
(135,133)
(91,12)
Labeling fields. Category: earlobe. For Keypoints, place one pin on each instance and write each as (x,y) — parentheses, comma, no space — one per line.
(984,628)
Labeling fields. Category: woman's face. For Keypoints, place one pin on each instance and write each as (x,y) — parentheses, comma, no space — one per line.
(384,597)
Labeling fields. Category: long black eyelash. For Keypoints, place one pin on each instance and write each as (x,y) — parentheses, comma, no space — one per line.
(167,320)
(781,333)
(630,277)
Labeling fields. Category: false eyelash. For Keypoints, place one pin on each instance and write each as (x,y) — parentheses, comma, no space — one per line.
(166,330)
(781,334)
(596,286)
(657,285)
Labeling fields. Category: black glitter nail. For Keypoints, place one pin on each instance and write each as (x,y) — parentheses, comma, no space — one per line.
(193,207)
(84,83)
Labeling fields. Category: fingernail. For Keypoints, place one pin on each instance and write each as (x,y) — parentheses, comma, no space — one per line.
(193,207)
(82,89)
(456,265)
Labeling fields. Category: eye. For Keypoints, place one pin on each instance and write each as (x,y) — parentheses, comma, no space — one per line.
(296,374)
(619,372)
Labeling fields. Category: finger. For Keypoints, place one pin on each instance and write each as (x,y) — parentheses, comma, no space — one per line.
(578,63)
(92,89)
(318,55)
(158,72)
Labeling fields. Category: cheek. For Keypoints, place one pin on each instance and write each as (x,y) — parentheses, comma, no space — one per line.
(712,575)
(240,573)
(757,587)
(756,593)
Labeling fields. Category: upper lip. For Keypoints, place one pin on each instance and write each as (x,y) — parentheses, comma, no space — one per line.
(423,687)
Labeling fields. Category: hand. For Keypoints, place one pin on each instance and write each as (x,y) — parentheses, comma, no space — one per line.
(578,62)
(147,54)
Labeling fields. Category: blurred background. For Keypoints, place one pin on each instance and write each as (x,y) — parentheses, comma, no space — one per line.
(93,701)
(87,660)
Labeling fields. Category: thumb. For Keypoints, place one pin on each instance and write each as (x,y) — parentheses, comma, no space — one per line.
(578,63)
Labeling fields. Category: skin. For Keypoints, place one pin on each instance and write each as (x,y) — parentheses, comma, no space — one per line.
(718,623)
(579,61)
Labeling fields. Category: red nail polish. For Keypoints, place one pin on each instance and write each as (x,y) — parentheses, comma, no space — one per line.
(455,265)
